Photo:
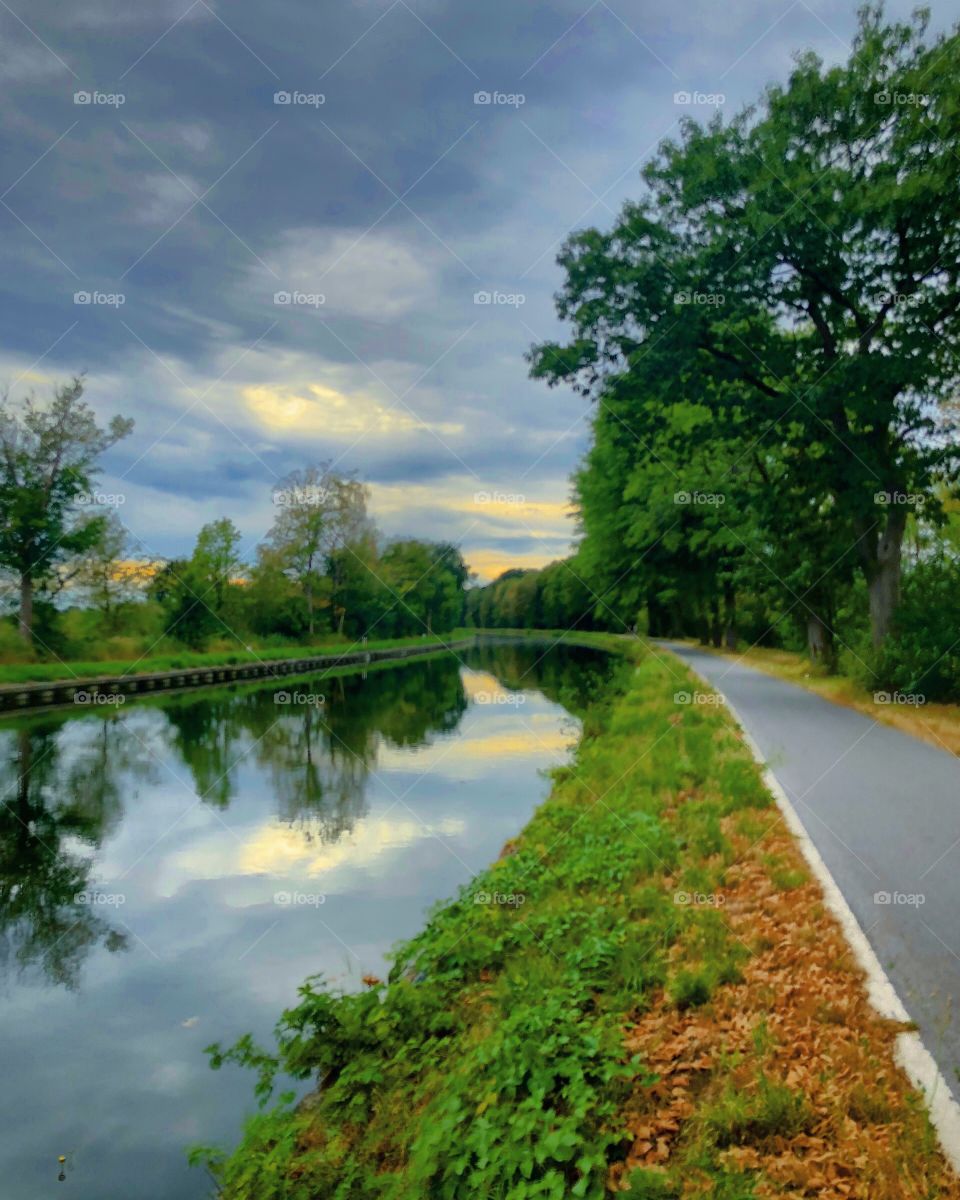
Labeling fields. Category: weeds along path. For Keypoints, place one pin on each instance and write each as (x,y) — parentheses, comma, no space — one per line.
(660,1005)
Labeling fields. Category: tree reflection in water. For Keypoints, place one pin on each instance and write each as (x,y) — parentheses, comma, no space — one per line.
(62,786)
(65,781)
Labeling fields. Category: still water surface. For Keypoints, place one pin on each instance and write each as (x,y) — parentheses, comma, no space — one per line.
(171,872)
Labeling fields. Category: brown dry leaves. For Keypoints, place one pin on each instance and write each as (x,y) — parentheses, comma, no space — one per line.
(866,1138)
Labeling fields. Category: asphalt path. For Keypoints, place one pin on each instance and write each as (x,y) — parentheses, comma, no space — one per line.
(883,809)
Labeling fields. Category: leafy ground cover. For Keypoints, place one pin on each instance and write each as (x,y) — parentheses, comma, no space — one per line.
(643,994)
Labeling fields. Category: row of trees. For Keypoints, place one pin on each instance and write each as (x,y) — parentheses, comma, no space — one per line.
(771,339)
(554,597)
(322,568)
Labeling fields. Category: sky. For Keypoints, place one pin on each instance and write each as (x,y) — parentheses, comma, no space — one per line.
(286,233)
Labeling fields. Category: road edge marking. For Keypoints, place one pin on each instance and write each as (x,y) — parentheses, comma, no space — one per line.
(910,1054)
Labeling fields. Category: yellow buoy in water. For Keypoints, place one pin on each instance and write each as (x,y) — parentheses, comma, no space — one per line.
(63,1174)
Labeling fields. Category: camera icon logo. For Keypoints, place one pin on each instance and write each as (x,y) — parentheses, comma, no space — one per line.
(82,97)
(482,97)
(281,97)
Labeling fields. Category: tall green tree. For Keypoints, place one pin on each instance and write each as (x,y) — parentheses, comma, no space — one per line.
(799,269)
(48,466)
(319,512)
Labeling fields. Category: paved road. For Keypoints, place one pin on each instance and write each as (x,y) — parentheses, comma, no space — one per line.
(883,809)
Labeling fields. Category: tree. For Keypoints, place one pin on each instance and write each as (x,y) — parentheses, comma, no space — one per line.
(195,591)
(107,577)
(799,271)
(427,581)
(320,512)
(48,462)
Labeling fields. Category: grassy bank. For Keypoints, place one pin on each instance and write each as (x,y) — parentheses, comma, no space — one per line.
(938,724)
(644,993)
(41,672)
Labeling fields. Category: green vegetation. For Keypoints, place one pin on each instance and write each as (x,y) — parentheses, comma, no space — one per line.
(183,659)
(86,592)
(771,335)
(48,469)
(492,1061)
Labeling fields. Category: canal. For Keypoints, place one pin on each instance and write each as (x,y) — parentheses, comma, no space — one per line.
(172,869)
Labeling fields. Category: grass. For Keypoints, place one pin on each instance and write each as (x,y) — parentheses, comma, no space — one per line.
(634,1023)
(938,724)
(74,670)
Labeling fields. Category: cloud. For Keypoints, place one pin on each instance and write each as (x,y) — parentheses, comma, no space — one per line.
(398,372)
(360,273)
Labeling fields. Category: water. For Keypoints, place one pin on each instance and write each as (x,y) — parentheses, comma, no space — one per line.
(172,871)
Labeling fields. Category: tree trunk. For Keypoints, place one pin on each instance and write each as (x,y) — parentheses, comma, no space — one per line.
(308,590)
(716,638)
(343,613)
(819,639)
(26,609)
(729,616)
(883,580)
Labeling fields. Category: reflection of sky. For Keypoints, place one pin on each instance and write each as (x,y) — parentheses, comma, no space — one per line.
(115,1072)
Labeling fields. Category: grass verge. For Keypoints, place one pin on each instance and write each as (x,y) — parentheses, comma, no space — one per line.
(643,994)
(63,672)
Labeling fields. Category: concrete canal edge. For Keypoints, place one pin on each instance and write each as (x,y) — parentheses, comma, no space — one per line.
(21,697)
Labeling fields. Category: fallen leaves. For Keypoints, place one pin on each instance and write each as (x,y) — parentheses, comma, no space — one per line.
(798,1019)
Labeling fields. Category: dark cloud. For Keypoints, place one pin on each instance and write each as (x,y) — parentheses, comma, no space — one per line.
(182,188)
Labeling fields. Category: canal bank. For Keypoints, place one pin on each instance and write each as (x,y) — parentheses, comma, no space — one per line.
(97,690)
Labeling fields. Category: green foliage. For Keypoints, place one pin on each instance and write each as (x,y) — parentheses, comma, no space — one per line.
(922,654)
(774,378)
(740,1116)
(491,1062)
(48,467)
(555,597)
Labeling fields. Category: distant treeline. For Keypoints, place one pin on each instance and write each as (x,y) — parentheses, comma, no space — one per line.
(81,586)
(553,597)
